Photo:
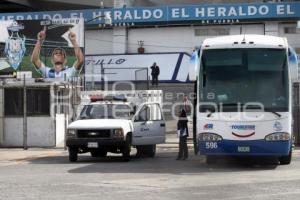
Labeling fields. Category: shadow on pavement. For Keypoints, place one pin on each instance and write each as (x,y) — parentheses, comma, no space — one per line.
(164,163)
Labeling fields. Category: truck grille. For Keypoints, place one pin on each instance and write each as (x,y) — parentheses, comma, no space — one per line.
(93,133)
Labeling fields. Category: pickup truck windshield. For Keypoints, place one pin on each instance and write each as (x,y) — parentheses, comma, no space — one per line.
(105,111)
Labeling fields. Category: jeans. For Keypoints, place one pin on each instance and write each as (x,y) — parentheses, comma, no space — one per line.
(154,80)
(183,149)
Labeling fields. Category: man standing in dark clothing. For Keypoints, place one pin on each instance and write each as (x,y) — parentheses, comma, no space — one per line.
(154,73)
(183,133)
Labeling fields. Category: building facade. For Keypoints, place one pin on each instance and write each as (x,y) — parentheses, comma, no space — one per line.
(184,30)
(171,25)
(167,30)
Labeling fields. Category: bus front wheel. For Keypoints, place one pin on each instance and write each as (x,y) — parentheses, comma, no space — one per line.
(286,160)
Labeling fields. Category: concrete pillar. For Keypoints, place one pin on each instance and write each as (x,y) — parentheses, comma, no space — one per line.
(272,28)
(1,115)
(122,3)
(120,35)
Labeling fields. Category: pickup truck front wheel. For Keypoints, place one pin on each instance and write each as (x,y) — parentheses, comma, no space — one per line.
(126,149)
(73,154)
(146,151)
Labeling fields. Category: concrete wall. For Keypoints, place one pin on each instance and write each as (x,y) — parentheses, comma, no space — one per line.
(99,41)
(121,3)
(164,39)
(119,40)
(40,132)
(293,38)
(272,28)
(174,39)
(247,29)
(122,40)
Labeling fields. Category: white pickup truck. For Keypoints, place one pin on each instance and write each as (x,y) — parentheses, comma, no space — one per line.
(111,122)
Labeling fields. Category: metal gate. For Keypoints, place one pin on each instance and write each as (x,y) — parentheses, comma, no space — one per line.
(296,112)
(142,79)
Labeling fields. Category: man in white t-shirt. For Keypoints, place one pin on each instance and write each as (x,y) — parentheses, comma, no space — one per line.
(58,58)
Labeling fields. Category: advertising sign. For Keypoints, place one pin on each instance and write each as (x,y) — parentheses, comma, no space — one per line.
(199,13)
(47,48)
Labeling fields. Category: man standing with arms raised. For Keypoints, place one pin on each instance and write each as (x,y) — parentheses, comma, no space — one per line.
(58,58)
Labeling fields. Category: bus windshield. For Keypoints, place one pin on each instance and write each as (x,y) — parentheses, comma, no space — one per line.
(231,77)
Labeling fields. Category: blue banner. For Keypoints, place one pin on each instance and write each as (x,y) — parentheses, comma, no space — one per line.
(173,14)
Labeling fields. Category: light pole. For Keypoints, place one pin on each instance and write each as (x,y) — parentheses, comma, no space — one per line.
(102,77)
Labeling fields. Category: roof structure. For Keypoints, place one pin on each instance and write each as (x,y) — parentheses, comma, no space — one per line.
(9,6)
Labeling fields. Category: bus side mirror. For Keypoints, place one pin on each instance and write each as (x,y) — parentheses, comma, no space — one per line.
(293,64)
(192,76)
(193,66)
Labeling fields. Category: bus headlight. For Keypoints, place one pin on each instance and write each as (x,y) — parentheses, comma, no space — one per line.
(118,133)
(210,137)
(278,137)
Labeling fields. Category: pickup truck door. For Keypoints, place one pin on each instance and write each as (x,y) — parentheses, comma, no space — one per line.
(149,125)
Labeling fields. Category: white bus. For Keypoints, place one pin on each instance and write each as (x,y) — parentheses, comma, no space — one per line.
(244,96)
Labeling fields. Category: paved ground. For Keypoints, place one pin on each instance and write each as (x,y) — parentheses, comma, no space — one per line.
(47,174)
